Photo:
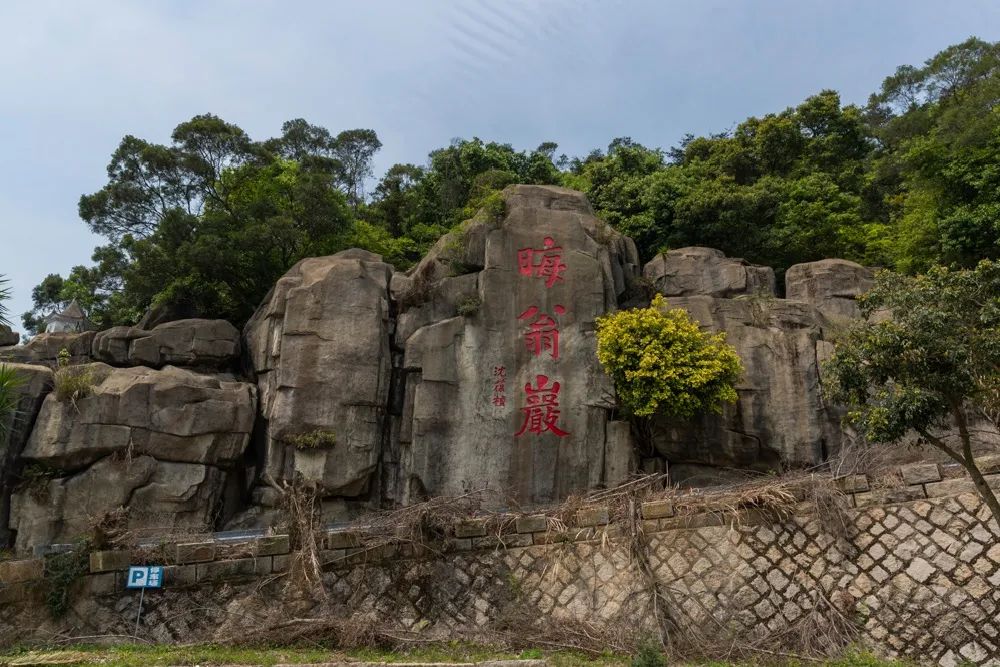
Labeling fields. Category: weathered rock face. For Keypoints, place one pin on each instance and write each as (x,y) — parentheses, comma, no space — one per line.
(779,419)
(35,383)
(197,343)
(831,285)
(319,348)
(171,414)
(162,498)
(157,441)
(476,370)
(705,271)
(504,391)
(45,348)
(8,336)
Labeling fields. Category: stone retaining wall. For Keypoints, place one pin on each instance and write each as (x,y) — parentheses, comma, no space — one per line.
(916,568)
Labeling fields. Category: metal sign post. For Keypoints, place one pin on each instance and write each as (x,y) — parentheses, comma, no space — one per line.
(143,577)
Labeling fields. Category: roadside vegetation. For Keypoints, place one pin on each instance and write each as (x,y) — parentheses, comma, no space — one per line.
(143,655)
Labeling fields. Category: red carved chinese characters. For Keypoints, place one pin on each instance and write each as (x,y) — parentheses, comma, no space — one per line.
(545,262)
(543,333)
(541,410)
(499,386)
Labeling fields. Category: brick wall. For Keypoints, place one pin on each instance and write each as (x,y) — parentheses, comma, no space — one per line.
(915,568)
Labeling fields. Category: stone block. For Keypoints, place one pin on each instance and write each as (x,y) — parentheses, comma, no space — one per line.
(592,516)
(281,563)
(502,542)
(341,539)
(551,537)
(233,569)
(109,561)
(180,575)
(950,487)
(194,552)
(657,509)
(852,483)
(650,525)
(532,524)
(18,571)
(274,545)
(692,521)
(921,473)
(899,494)
(988,465)
(471,528)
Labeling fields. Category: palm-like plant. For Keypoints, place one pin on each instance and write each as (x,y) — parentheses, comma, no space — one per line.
(9,378)
(4,295)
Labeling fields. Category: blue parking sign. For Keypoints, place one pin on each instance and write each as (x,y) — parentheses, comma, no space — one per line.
(150,576)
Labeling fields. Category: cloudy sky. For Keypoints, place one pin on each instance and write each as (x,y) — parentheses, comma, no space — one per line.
(77,76)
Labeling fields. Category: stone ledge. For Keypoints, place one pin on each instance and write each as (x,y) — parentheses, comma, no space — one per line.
(592,516)
(852,483)
(889,496)
(194,552)
(19,571)
(657,509)
(536,523)
(921,473)
(109,561)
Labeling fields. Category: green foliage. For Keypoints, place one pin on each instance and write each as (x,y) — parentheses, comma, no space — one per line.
(927,352)
(204,225)
(73,383)
(939,349)
(10,383)
(661,361)
(469,306)
(61,572)
(778,190)
(316,439)
(650,654)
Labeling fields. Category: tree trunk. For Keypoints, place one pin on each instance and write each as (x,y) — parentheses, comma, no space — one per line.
(985,490)
(967,460)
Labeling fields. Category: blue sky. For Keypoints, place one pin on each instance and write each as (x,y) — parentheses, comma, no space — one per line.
(77,76)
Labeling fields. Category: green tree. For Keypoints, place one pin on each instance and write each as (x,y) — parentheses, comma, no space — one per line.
(939,130)
(206,225)
(661,361)
(925,356)
(355,150)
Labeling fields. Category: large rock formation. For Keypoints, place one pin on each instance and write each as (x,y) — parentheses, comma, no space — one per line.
(8,336)
(45,348)
(319,348)
(34,382)
(705,271)
(172,414)
(502,387)
(475,370)
(197,343)
(780,419)
(162,498)
(157,441)
(831,285)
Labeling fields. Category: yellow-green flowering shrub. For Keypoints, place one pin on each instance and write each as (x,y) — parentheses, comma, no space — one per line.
(662,362)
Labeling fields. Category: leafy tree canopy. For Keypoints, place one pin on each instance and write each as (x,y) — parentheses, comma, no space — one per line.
(925,356)
(908,181)
(661,361)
